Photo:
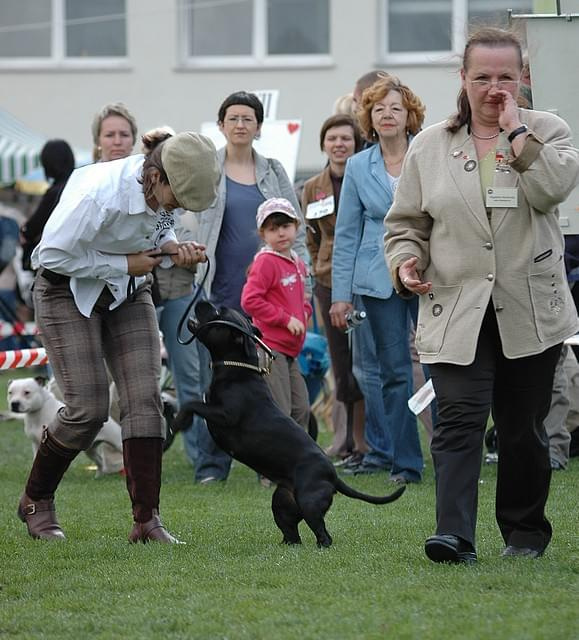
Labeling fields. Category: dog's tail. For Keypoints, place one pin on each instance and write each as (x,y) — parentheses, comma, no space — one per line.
(345,490)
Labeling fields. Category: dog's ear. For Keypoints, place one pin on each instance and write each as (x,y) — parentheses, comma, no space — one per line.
(41,380)
(205,311)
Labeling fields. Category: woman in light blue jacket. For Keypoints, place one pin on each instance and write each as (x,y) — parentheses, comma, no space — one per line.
(390,114)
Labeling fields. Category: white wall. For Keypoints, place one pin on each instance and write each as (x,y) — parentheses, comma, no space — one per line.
(61,103)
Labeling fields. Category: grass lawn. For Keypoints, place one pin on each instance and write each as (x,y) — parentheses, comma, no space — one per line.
(233,580)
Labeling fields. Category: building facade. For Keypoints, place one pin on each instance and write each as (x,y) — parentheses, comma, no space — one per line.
(173,61)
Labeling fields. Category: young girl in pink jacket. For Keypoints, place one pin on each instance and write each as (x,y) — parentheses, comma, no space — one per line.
(274,297)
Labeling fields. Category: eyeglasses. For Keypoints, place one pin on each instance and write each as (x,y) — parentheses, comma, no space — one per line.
(245,120)
(485,85)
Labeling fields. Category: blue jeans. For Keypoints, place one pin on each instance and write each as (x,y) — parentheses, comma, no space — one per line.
(389,322)
(366,370)
(8,314)
(212,461)
(189,365)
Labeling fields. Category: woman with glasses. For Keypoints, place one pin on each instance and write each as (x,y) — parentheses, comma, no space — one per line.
(227,228)
(390,114)
(474,232)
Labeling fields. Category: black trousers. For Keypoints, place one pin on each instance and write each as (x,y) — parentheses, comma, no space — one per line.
(518,392)
(347,389)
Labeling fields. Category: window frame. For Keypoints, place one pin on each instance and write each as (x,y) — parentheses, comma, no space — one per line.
(259,58)
(458,23)
(58,58)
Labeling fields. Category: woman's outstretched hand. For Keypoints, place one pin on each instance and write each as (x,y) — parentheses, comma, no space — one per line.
(411,279)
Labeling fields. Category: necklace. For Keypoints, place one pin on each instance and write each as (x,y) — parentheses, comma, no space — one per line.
(394,163)
(495,135)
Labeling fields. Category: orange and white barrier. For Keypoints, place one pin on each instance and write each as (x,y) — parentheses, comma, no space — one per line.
(22,358)
(18,329)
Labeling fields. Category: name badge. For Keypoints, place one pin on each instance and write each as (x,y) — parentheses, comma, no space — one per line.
(320,208)
(504,197)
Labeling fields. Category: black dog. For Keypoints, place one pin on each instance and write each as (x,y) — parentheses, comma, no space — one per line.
(244,421)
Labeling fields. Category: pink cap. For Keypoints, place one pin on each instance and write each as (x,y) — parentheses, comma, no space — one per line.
(275,205)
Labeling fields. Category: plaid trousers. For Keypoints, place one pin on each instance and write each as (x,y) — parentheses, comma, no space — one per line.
(127,338)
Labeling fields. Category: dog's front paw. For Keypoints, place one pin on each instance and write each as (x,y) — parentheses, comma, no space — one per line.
(183,421)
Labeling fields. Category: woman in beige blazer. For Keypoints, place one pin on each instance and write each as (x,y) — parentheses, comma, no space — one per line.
(474,232)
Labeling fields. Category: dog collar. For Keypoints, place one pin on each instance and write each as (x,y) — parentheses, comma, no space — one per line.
(263,371)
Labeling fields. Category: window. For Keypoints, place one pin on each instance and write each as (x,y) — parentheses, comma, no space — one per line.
(49,32)
(427,30)
(255,32)
(95,29)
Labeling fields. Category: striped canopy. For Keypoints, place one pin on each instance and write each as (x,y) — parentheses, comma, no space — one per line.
(19,148)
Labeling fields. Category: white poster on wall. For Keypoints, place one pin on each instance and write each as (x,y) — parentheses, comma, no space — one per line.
(280,139)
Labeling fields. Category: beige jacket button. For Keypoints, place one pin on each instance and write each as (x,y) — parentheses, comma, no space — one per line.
(490,277)
(488,245)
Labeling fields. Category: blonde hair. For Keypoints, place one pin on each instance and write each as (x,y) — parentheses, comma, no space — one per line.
(411,102)
(344,105)
(111,109)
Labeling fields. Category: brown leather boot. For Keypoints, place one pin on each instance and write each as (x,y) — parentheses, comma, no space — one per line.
(40,517)
(142,457)
(36,506)
(152,531)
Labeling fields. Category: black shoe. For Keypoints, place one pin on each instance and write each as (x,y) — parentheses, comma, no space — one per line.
(353,460)
(208,480)
(401,478)
(521,552)
(449,548)
(363,469)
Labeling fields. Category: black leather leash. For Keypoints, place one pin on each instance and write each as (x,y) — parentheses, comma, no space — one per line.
(188,309)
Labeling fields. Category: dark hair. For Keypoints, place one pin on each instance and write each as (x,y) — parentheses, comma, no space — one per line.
(153,161)
(152,138)
(492,37)
(57,159)
(244,98)
(411,102)
(276,220)
(341,120)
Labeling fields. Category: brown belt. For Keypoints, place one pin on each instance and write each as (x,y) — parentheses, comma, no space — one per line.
(53,277)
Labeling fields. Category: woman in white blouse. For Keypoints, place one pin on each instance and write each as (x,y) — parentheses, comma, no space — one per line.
(92,296)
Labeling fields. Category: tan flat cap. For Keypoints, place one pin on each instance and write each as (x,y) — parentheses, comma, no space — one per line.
(190,162)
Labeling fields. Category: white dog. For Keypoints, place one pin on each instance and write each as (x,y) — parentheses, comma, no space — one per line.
(31,397)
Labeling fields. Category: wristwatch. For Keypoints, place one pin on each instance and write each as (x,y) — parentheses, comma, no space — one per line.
(517,132)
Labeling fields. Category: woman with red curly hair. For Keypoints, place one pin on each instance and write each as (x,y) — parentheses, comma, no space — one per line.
(389,114)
